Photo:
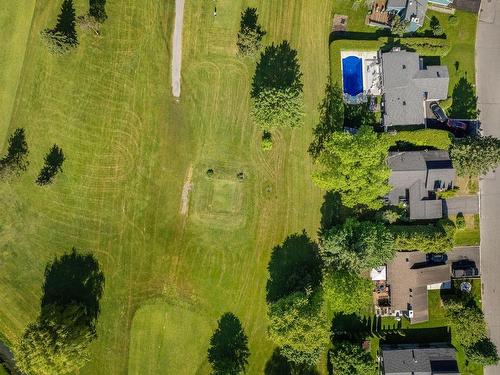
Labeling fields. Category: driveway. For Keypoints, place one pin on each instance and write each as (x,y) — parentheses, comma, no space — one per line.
(488,90)
(466,205)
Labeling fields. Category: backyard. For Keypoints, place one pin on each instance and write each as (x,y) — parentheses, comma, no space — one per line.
(129,146)
(458,55)
(435,330)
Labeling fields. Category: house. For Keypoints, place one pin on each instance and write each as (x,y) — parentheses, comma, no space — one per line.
(409,277)
(416,177)
(401,286)
(410,359)
(412,11)
(408,85)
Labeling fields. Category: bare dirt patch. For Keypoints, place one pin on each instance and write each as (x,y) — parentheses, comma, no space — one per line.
(185,192)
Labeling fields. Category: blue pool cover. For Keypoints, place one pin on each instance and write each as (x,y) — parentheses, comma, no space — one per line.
(352,72)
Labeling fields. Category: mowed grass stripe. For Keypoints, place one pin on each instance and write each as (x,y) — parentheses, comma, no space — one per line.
(15,23)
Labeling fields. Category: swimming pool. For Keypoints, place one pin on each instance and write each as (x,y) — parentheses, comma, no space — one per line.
(352,74)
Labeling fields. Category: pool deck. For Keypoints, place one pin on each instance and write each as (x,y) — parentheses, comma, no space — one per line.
(371,70)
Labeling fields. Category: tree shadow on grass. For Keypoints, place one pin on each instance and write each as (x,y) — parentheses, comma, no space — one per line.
(295,265)
(74,278)
(332,211)
(464,105)
(278,68)
(352,327)
(66,23)
(278,365)
(228,352)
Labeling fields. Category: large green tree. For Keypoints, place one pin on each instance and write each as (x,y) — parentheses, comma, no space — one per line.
(348,358)
(347,292)
(483,352)
(97,9)
(57,343)
(354,166)
(474,156)
(299,327)
(356,246)
(228,352)
(63,36)
(277,88)
(467,322)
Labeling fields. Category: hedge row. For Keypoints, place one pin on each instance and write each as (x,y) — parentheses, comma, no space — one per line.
(430,238)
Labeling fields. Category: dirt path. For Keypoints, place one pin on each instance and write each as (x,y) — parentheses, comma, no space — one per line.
(177,48)
(185,192)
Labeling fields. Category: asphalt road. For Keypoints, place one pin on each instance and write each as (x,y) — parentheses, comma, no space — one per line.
(488,89)
(177,48)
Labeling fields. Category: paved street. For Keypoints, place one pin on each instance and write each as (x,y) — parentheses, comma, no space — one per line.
(488,88)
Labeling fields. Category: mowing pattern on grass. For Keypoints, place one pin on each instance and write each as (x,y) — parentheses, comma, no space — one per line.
(128,149)
(162,335)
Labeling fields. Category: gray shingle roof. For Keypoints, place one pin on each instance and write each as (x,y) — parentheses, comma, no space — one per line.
(407,85)
(436,359)
(419,172)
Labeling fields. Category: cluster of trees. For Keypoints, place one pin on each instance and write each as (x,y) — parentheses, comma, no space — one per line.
(355,166)
(297,320)
(349,358)
(15,161)
(63,37)
(469,329)
(58,341)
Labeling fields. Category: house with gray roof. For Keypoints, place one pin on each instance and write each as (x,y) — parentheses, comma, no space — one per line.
(408,85)
(415,178)
(414,359)
(412,11)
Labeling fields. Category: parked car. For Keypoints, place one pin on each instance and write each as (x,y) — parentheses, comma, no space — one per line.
(438,112)
(456,125)
(437,258)
(465,268)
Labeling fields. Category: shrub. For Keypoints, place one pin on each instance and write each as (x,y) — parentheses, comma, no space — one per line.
(210,172)
(347,358)
(391,216)
(453,20)
(267,141)
(460,221)
(446,194)
(53,165)
(427,46)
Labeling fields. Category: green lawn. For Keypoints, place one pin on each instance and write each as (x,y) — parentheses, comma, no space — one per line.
(3,371)
(470,235)
(160,337)
(15,23)
(129,147)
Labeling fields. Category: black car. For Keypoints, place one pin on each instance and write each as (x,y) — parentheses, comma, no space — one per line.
(457,125)
(465,268)
(437,258)
(438,112)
